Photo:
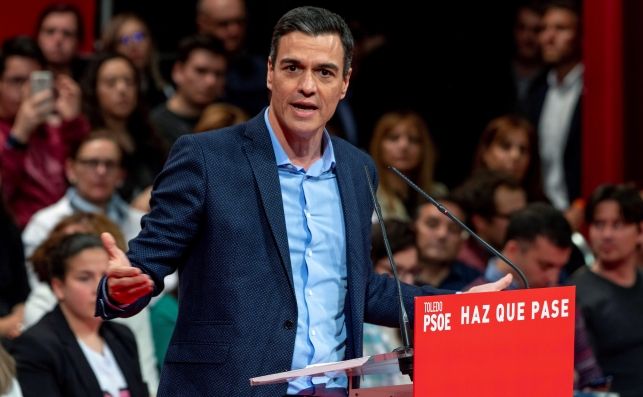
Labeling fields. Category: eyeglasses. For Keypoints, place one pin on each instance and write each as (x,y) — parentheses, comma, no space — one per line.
(135,37)
(93,164)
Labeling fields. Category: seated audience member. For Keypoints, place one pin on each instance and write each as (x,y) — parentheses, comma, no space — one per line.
(379,339)
(509,144)
(9,387)
(220,115)
(112,101)
(539,243)
(94,169)
(438,241)
(69,352)
(129,35)
(60,33)
(226,20)
(199,75)
(402,240)
(402,140)
(610,292)
(488,198)
(14,285)
(37,130)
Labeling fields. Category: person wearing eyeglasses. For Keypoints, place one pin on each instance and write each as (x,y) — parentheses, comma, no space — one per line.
(94,170)
(129,35)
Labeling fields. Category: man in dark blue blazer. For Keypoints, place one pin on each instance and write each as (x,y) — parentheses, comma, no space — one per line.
(269,226)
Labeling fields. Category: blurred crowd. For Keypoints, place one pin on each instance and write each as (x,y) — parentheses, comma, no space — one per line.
(81,144)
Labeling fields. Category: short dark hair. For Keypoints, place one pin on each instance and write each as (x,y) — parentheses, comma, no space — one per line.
(67,247)
(199,42)
(400,234)
(20,46)
(63,8)
(627,197)
(313,21)
(476,195)
(540,220)
(442,198)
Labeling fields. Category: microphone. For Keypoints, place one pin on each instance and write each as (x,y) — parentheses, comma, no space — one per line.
(406,362)
(446,212)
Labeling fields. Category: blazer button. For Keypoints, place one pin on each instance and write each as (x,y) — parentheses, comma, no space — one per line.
(289,324)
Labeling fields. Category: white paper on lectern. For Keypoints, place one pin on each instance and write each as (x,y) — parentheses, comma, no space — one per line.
(328,369)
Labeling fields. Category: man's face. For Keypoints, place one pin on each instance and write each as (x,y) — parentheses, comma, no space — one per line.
(407,264)
(58,37)
(559,37)
(306,83)
(225,20)
(438,238)
(540,260)
(16,74)
(507,202)
(613,240)
(201,79)
(526,30)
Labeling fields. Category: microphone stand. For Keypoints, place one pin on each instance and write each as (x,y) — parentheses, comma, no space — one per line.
(405,361)
(446,212)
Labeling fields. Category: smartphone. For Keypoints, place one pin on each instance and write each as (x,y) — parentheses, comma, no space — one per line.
(41,80)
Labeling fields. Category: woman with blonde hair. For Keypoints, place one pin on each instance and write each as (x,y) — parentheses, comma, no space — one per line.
(401,139)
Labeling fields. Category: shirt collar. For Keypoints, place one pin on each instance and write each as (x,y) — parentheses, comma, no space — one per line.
(574,76)
(327,158)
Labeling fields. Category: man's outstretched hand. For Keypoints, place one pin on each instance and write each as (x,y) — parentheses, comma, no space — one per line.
(495,286)
(125,283)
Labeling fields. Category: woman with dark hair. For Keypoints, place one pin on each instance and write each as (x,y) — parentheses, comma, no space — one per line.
(129,35)
(111,98)
(509,144)
(70,352)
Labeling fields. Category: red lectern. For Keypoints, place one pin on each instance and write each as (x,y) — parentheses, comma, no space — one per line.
(509,343)
(506,343)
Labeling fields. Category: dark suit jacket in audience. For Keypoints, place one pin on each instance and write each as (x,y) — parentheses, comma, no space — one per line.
(50,361)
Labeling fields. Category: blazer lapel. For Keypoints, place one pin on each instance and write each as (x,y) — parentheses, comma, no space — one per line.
(258,149)
(86,375)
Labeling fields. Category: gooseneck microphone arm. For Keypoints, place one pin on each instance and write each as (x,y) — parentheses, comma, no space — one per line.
(406,364)
(446,212)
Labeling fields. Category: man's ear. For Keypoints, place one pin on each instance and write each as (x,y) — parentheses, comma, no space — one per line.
(269,73)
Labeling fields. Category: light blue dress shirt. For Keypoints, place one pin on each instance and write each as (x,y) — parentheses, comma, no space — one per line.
(317,245)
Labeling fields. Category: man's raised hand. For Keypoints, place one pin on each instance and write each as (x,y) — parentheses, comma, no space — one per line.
(125,283)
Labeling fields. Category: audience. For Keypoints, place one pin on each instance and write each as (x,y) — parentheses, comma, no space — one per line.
(401,139)
(610,292)
(129,35)
(112,101)
(70,352)
(37,130)
(226,20)
(199,75)
(438,241)
(60,32)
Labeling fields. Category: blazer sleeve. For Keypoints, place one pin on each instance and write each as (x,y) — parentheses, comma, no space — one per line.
(177,208)
(37,367)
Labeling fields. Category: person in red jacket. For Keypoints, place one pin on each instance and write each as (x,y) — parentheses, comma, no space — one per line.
(37,130)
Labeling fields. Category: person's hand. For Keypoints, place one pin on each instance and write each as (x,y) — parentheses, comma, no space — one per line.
(68,102)
(33,112)
(125,283)
(495,286)
(11,324)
